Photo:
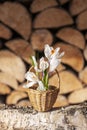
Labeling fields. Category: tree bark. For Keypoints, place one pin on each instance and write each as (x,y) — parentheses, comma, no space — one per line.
(26,118)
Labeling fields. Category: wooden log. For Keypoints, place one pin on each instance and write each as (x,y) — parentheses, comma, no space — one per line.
(21,48)
(85,52)
(24,103)
(81,21)
(51,18)
(22,89)
(73,56)
(12,64)
(83,75)
(78,96)
(9,80)
(39,5)
(77,6)
(61,101)
(41,37)
(17,17)
(5,32)
(4,89)
(63,1)
(72,36)
(61,67)
(68,82)
(15,96)
(23,118)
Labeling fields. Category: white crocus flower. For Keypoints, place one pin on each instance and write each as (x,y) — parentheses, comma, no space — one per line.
(41,86)
(35,64)
(53,56)
(32,80)
(30,76)
(43,64)
(53,64)
(50,52)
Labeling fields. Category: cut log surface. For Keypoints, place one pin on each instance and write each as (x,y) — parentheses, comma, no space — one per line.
(51,18)
(63,1)
(77,6)
(15,96)
(26,118)
(41,37)
(61,67)
(39,5)
(12,64)
(72,36)
(21,48)
(61,101)
(68,82)
(82,21)
(54,80)
(5,32)
(85,53)
(17,17)
(22,89)
(4,89)
(78,96)
(9,80)
(73,56)
(24,103)
(83,75)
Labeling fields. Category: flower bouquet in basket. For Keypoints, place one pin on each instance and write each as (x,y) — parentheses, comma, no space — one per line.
(42,95)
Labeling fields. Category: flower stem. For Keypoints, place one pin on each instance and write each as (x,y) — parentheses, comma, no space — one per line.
(45,79)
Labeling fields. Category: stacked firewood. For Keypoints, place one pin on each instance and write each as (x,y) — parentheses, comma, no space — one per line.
(25,27)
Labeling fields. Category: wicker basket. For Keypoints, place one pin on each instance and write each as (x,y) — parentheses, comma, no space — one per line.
(43,100)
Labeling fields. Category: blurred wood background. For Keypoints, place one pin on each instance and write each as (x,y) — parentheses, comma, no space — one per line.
(25,27)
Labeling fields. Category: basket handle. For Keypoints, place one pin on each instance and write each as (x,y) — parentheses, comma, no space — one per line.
(58,77)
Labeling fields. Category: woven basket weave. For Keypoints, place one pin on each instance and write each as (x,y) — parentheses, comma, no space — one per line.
(43,100)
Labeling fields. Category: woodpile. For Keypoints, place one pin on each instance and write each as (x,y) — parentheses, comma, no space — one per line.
(25,27)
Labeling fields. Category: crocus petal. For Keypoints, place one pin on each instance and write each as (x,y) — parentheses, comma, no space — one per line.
(43,64)
(47,51)
(62,54)
(55,53)
(53,64)
(30,76)
(41,86)
(34,60)
(29,84)
(35,63)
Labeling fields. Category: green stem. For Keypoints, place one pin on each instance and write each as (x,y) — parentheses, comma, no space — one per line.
(45,79)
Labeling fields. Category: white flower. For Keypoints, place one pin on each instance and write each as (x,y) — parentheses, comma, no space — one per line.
(50,52)
(53,64)
(35,64)
(53,56)
(43,64)
(41,86)
(52,61)
(34,61)
(33,79)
